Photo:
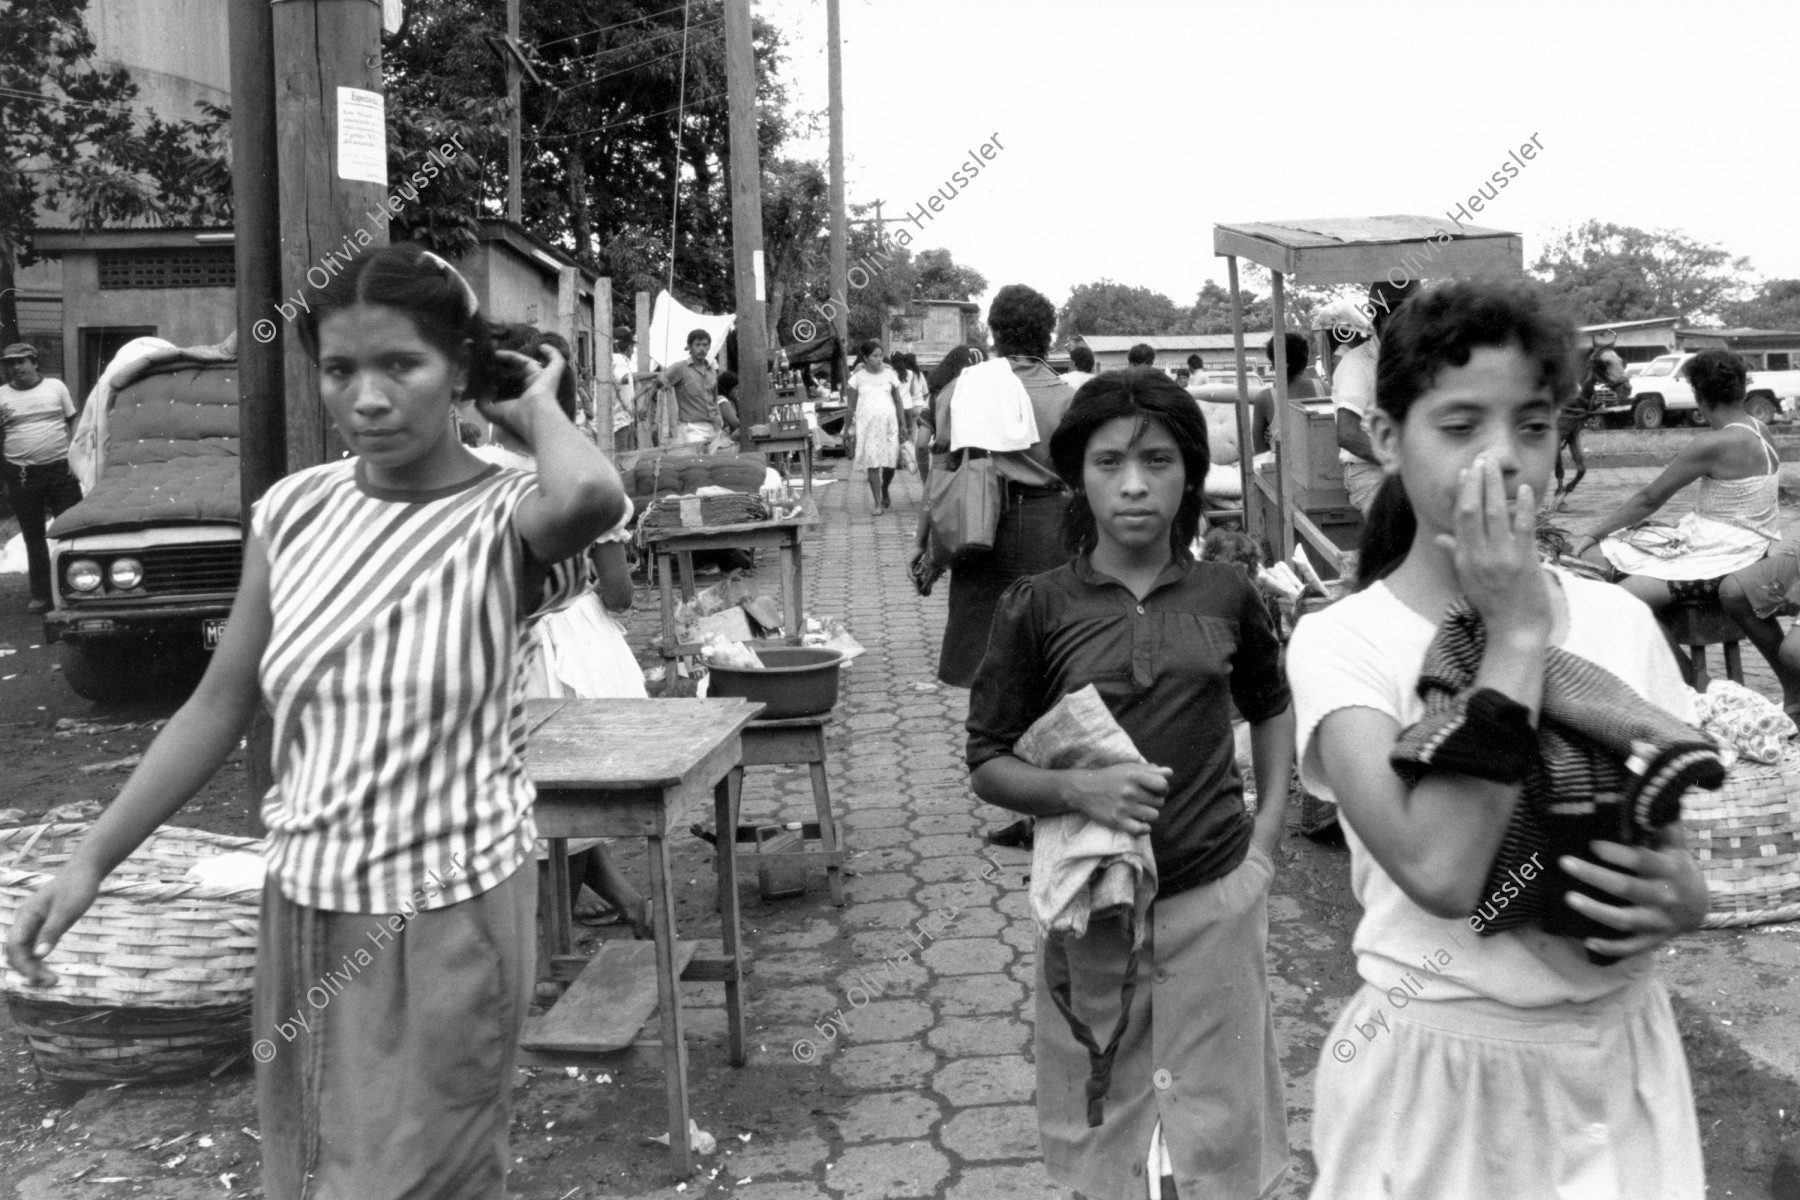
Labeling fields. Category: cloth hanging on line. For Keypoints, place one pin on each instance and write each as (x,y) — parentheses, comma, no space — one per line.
(671,322)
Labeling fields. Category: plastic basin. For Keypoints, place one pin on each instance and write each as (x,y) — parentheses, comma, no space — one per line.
(795,681)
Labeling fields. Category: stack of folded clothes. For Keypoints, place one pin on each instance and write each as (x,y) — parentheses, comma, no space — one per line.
(724,508)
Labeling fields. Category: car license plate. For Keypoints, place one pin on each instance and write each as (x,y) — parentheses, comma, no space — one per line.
(211,631)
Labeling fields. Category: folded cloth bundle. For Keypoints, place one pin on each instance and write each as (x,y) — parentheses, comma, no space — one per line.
(734,508)
(1081,869)
(1608,765)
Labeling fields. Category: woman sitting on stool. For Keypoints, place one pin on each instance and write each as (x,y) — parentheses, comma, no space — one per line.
(1735,522)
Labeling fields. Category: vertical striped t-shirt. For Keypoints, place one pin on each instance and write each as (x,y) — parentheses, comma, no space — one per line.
(392,673)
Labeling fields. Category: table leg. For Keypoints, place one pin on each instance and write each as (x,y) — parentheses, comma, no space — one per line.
(793,593)
(806,456)
(828,838)
(668,995)
(727,796)
(687,575)
(665,575)
(562,912)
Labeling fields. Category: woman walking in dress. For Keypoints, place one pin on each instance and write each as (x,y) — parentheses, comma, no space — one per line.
(876,399)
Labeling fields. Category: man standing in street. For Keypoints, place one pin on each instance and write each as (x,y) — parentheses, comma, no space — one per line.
(695,383)
(624,405)
(36,415)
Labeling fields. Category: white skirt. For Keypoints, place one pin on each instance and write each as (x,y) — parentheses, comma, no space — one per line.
(1700,548)
(580,654)
(1483,1101)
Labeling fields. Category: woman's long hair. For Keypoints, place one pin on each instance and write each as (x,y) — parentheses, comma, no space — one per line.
(955,363)
(1145,395)
(1437,328)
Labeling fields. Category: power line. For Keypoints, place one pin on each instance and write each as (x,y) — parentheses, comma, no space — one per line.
(635,66)
(616,25)
(643,41)
(692,100)
(38,98)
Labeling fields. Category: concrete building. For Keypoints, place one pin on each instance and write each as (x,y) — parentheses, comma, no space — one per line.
(181,285)
(933,328)
(1641,341)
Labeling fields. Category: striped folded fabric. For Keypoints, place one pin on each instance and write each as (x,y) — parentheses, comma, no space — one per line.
(687,512)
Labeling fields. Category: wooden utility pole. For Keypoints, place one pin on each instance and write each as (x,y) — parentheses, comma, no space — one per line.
(839,284)
(512,121)
(327,61)
(746,220)
(649,423)
(262,428)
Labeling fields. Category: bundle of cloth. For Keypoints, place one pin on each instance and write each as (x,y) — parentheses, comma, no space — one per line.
(1603,763)
(1748,723)
(721,507)
(1082,871)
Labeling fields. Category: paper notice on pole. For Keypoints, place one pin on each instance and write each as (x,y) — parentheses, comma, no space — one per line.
(756,264)
(361,136)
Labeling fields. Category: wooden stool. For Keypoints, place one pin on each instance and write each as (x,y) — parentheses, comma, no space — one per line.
(1695,627)
(789,742)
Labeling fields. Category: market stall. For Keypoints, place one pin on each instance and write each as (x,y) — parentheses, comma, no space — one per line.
(1296,498)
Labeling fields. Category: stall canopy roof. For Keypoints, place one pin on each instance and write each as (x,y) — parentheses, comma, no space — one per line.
(1364,249)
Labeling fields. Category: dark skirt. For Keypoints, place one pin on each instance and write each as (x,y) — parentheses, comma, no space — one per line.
(1027,542)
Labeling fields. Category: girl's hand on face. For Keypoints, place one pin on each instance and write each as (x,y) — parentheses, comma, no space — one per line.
(1495,552)
(1126,797)
(518,415)
(1667,896)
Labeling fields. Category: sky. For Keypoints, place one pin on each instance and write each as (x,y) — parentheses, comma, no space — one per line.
(1128,128)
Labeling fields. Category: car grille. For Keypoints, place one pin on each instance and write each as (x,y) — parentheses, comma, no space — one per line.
(209,567)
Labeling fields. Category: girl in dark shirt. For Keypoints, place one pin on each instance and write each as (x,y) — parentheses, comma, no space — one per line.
(1195,1090)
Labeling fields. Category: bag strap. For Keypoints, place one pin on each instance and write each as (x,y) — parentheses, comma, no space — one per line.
(1100,1061)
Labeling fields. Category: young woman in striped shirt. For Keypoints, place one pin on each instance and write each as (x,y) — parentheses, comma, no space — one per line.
(380,617)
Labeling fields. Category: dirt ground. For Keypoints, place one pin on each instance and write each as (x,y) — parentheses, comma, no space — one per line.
(588,1135)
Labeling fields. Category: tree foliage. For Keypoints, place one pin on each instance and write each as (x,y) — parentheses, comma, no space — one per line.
(1776,305)
(71,145)
(941,278)
(1607,272)
(620,128)
(1107,307)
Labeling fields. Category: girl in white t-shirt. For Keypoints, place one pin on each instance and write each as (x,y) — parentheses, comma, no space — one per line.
(1504,1066)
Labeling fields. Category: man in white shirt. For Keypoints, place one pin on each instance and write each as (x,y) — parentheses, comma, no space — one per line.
(36,415)
(1353,396)
(1081,363)
(624,405)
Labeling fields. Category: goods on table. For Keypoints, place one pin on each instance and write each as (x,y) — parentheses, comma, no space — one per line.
(723,652)
(155,980)
(698,511)
(789,681)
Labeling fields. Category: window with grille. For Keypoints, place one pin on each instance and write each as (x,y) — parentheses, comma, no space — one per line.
(200,267)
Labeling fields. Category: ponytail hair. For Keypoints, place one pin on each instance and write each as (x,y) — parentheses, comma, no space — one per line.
(428,290)
(1437,328)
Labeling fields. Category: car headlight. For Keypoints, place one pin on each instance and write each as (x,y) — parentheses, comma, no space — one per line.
(83,575)
(125,573)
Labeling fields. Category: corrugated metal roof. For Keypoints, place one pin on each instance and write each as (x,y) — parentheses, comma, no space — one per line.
(1336,231)
(1669,321)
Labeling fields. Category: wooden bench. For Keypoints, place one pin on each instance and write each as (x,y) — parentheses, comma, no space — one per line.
(1694,627)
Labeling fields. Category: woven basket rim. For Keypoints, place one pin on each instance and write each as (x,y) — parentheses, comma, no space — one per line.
(112,885)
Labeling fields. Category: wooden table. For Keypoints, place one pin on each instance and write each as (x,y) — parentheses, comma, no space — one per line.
(636,768)
(788,443)
(669,544)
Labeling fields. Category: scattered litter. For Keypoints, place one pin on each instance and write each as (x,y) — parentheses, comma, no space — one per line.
(250,1133)
(699,1140)
(924,687)
(3,678)
(50,1123)
(573,1072)
(6,650)
(743,1137)
(175,1162)
(656,675)
(116,764)
(743,1181)
(12,816)
(204,1143)
(67,727)
(76,813)
(226,1179)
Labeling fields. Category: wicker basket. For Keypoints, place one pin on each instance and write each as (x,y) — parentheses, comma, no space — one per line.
(1746,836)
(155,980)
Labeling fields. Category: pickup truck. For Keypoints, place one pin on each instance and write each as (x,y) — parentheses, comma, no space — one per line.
(144,569)
(1662,388)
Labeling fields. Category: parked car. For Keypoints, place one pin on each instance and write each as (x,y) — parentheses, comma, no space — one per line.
(1662,388)
(144,569)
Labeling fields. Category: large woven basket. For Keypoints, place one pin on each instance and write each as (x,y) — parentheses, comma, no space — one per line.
(155,980)
(1746,836)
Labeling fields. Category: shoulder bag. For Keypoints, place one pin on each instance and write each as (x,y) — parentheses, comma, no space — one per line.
(964,502)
